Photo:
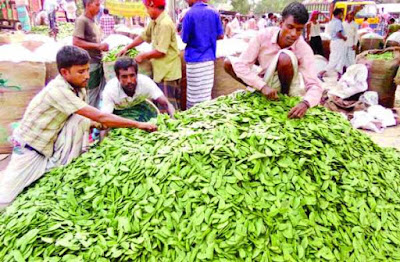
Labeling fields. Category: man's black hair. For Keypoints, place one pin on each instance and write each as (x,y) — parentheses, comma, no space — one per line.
(69,56)
(263,16)
(270,15)
(105,11)
(298,11)
(125,63)
(337,12)
(392,20)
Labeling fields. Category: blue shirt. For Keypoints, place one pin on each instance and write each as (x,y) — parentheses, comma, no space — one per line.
(200,30)
(335,27)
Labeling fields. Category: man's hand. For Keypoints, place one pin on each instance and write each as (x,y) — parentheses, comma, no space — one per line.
(299,111)
(98,125)
(270,93)
(354,47)
(147,127)
(103,47)
(139,58)
(122,52)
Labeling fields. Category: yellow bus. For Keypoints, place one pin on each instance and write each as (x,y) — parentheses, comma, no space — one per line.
(364,9)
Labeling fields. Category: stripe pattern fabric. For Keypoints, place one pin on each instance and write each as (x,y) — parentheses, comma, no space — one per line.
(200,82)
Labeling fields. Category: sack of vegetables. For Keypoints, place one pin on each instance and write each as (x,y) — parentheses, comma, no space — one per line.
(142,112)
(371,41)
(109,59)
(382,68)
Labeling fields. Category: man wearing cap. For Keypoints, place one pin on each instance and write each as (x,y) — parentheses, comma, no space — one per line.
(164,57)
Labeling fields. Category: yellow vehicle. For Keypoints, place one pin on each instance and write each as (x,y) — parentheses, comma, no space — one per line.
(364,9)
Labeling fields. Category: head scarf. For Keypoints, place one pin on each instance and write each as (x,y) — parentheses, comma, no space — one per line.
(314,13)
(154,3)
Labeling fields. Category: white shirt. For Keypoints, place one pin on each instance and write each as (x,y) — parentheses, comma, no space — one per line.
(114,97)
(262,23)
(350,32)
(315,29)
(235,25)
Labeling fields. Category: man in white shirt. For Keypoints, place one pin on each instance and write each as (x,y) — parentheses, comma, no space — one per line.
(129,88)
(262,23)
(235,23)
(350,29)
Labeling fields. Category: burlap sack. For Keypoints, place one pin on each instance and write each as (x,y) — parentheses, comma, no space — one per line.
(392,43)
(370,44)
(224,84)
(24,81)
(51,71)
(393,40)
(381,75)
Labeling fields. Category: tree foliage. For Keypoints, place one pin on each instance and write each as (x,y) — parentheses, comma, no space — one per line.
(241,6)
(268,6)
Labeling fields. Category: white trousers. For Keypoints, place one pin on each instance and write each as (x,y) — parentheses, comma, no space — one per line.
(271,78)
(337,56)
(26,165)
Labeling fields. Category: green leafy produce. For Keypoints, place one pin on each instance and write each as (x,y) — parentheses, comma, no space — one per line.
(111,56)
(229,180)
(142,112)
(64,30)
(384,56)
(40,30)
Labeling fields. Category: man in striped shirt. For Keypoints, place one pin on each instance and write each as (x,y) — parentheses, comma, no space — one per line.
(201,28)
(55,126)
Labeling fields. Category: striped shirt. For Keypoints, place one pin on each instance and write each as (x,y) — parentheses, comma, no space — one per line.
(47,113)
(107,24)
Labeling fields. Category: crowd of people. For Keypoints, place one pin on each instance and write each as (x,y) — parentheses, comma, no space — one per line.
(242,23)
(55,126)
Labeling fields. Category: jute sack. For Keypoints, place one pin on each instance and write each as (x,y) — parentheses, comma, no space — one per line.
(371,41)
(393,40)
(381,74)
(22,82)
(224,84)
(51,71)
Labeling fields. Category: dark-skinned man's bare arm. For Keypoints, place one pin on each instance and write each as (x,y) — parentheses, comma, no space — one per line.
(113,121)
